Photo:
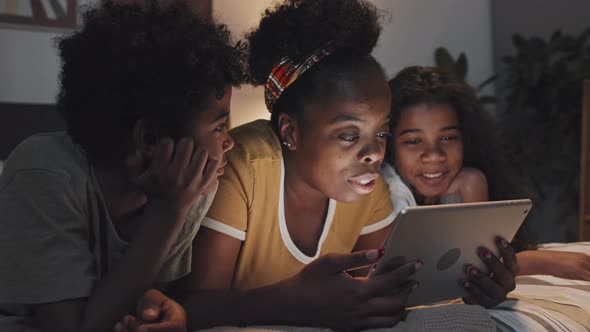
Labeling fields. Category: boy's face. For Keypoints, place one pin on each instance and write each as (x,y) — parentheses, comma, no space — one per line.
(209,129)
(341,141)
(428,148)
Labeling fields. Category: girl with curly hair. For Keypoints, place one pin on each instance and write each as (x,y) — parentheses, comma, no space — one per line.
(445,150)
(95,216)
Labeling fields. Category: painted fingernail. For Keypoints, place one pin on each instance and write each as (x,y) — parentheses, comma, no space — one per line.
(466,284)
(486,253)
(372,254)
(418,265)
(127,320)
(472,270)
(381,252)
(503,243)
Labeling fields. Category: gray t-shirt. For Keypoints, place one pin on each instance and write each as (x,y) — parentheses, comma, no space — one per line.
(56,237)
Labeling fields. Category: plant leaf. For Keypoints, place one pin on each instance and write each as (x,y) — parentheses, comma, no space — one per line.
(444,60)
(555,36)
(518,41)
(488,81)
(461,66)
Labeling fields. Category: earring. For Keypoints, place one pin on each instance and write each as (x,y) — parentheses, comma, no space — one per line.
(288,145)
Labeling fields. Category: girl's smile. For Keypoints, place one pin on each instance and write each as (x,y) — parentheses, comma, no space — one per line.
(428,148)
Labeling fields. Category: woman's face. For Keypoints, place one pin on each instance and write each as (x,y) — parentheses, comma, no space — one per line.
(340,141)
(428,148)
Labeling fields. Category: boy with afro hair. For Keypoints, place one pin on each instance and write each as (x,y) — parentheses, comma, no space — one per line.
(98,215)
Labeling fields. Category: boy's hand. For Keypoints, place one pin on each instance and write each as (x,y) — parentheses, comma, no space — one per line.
(330,297)
(490,290)
(155,313)
(178,175)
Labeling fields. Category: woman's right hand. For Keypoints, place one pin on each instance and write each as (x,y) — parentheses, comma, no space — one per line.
(178,175)
(327,296)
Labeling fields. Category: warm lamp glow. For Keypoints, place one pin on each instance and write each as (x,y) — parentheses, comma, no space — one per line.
(247,105)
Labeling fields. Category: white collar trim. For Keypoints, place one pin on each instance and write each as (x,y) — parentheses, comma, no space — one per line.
(287,241)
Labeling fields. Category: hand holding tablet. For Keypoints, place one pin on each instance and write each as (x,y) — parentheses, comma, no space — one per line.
(460,246)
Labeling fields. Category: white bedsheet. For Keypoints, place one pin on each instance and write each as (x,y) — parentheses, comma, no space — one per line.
(539,303)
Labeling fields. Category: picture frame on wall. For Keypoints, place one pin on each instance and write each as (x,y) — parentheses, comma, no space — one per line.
(38,14)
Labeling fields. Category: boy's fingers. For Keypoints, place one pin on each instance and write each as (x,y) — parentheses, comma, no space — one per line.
(162,155)
(198,163)
(182,155)
(149,305)
(210,173)
(150,314)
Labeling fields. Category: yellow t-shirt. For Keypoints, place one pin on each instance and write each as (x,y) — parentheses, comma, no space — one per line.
(249,207)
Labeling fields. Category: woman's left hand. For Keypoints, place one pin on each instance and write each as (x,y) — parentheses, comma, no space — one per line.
(490,290)
(155,313)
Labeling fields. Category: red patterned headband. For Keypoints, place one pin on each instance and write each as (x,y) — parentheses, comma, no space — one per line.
(286,72)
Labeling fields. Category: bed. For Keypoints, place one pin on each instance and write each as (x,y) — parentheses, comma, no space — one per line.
(539,303)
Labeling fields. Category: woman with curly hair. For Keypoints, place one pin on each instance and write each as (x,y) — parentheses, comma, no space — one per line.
(95,216)
(445,150)
(301,201)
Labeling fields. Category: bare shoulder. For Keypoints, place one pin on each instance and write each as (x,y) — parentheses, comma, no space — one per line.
(470,175)
(472,184)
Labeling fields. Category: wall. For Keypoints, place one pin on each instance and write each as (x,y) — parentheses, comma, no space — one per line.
(241,17)
(416,28)
(29,65)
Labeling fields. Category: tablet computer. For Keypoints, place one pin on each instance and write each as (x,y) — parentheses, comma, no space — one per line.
(447,238)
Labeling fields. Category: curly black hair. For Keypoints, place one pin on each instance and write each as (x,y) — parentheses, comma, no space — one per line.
(159,63)
(481,145)
(295,29)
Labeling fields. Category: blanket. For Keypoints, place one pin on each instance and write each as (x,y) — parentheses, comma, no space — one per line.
(539,303)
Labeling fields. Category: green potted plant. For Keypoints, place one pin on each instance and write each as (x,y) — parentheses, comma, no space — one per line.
(542,116)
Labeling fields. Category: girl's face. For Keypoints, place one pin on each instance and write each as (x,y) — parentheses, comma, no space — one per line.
(340,142)
(428,148)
